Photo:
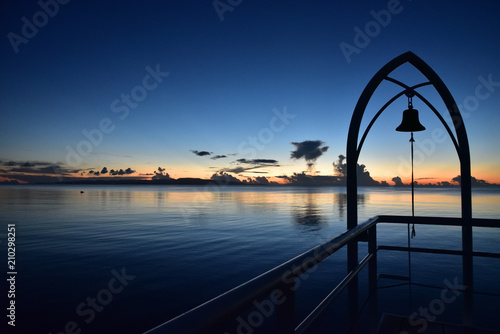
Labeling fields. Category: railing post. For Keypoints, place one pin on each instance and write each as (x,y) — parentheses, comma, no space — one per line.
(352,263)
(467,238)
(372,278)
(285,312)
(468,276)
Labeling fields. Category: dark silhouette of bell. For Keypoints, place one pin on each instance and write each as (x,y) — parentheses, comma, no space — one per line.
(410,122)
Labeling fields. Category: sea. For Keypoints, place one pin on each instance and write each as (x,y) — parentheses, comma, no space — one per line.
(126,258)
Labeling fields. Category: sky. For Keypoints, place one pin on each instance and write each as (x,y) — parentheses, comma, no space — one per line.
(245,88)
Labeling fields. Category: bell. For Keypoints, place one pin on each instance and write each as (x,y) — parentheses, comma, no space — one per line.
(410,122)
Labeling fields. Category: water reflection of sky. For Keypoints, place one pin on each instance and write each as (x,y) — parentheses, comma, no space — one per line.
(175,237)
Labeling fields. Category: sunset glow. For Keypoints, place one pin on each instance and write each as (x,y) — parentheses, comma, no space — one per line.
(170,91)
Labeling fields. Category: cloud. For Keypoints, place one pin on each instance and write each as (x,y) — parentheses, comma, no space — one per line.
(215,157)
(364,178)
(28,172)
(310,150)
(201,153)
(224,178)
(444,184)
(258,161)
(25,170)
(311,180)
(32,178)
(121,171)
(112,171)
(165,176)
(46,172)
(474,181)
(261,180)
(397,181)
(53,170)
(237,170)
(159,175)
(340,167)
(28,164)
(249,166)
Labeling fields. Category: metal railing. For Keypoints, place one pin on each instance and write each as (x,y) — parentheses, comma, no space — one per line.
(278,281)
(278,284)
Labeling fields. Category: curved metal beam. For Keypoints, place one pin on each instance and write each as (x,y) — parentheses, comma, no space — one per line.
(388,103)
(455,143)
(395,97)
(405,86)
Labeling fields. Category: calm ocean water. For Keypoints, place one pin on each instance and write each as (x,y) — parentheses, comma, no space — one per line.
(122,259)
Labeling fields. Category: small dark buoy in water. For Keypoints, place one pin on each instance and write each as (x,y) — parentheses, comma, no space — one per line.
(81,192)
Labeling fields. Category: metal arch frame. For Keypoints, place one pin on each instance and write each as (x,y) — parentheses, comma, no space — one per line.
(460,142)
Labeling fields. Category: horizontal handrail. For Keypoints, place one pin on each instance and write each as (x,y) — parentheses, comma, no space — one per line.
(234,301)
(448,221)
(437,251)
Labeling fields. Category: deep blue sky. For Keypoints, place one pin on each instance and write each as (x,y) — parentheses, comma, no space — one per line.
(227,76)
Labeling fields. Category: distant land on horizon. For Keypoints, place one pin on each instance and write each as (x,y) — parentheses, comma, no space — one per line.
(199,181)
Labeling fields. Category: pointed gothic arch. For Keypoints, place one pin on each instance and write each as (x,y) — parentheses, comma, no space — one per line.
(460,142)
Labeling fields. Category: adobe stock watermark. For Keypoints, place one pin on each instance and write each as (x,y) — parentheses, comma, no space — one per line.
(423,148)
(223,6)
(363,37)
(264,309)
(120,106)
(482,92)
(87,309)
(248,148)
(265,136)
(436,306)
(426,147)
(30,28)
